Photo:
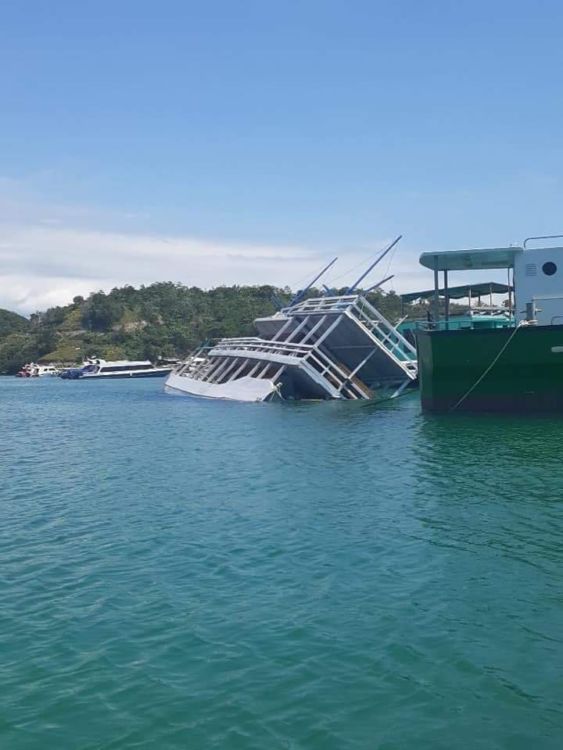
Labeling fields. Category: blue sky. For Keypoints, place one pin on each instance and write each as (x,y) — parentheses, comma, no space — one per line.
(225,142)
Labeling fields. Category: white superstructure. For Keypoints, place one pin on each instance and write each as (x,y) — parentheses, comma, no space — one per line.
(101,368)
(337,347)
(537,273)
(537,285)
(46,371)
(33,370)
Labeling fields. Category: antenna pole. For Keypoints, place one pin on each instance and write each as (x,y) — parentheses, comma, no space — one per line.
(379,283)
(373,265)
(300,294)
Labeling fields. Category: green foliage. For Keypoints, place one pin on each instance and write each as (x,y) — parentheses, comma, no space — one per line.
(15,350)
(102,311)
(161,320)
(11,322)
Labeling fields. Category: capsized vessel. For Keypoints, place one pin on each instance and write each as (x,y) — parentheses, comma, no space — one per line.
(328,347)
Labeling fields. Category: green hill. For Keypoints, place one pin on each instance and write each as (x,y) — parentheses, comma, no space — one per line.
(160,320)
(11,322)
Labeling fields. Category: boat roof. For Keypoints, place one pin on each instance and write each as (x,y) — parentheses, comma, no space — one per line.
(118,362)
(468,260)
(461,292)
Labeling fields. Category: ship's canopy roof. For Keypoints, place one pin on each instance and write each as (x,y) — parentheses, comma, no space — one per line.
(461,292)
(469,260)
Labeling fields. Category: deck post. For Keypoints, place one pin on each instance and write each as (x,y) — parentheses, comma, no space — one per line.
(447,301)
(216,370)
(328,331)
(436,294)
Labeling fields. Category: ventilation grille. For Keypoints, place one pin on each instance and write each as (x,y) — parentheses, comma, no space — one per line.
(531,269)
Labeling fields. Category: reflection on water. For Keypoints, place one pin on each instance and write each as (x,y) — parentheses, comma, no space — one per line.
(179,573)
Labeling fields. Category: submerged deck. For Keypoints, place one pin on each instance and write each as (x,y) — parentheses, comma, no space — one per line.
(323,348)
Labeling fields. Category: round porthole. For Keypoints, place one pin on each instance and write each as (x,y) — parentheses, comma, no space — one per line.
(549,268)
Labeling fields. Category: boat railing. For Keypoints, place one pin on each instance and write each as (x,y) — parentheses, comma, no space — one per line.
(491,311)
(357,307)
(386,333)
(464,322)
(336,374)
(322,305)
(255,344)
(197,364)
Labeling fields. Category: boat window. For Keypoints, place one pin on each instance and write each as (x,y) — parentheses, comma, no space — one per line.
(125,368)
(549,268)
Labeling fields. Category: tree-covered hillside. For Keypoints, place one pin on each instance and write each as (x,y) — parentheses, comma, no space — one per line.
(11,322)
(160,320)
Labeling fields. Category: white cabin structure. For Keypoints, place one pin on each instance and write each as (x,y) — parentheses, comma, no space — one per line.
(537,274)
(336,347)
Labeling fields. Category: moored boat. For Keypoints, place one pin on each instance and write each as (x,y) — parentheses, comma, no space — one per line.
(95,368)
(33,370)
(514,367)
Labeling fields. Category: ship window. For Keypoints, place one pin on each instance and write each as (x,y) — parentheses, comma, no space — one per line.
(125,368)
(549,268)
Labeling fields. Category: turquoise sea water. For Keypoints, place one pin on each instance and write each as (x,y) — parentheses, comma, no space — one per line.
(188,574)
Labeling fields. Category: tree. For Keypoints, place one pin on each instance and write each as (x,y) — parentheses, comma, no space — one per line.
(101,311)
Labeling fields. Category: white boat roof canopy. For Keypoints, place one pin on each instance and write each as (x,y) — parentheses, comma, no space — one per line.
(464,260)
(469,260)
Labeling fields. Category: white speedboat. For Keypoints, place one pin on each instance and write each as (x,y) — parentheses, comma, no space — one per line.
(101,368)
(33,370)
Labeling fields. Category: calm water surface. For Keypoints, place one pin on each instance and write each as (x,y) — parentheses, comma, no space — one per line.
(188,574)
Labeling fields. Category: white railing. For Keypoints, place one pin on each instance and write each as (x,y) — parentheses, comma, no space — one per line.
(322,304)
(357,307)
(226,358)
(254,344)
(336,375)
(383,330)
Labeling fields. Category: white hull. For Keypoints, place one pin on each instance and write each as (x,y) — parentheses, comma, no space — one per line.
(242,389)
(154,372)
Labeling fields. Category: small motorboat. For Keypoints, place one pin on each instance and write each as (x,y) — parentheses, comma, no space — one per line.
(32,370)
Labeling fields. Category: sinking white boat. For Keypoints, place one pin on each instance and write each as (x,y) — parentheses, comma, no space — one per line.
(330,347)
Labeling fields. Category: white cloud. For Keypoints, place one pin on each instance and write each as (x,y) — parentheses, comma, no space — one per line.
(51,253)
(42,265)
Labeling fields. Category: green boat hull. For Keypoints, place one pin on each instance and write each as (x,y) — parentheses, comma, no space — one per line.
(454,370)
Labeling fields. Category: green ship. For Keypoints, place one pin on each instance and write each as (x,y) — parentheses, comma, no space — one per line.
(515,364)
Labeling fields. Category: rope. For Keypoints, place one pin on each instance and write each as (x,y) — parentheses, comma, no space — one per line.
(489,368)
(391,259)
(277,391)
(332,279)
(357,265)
